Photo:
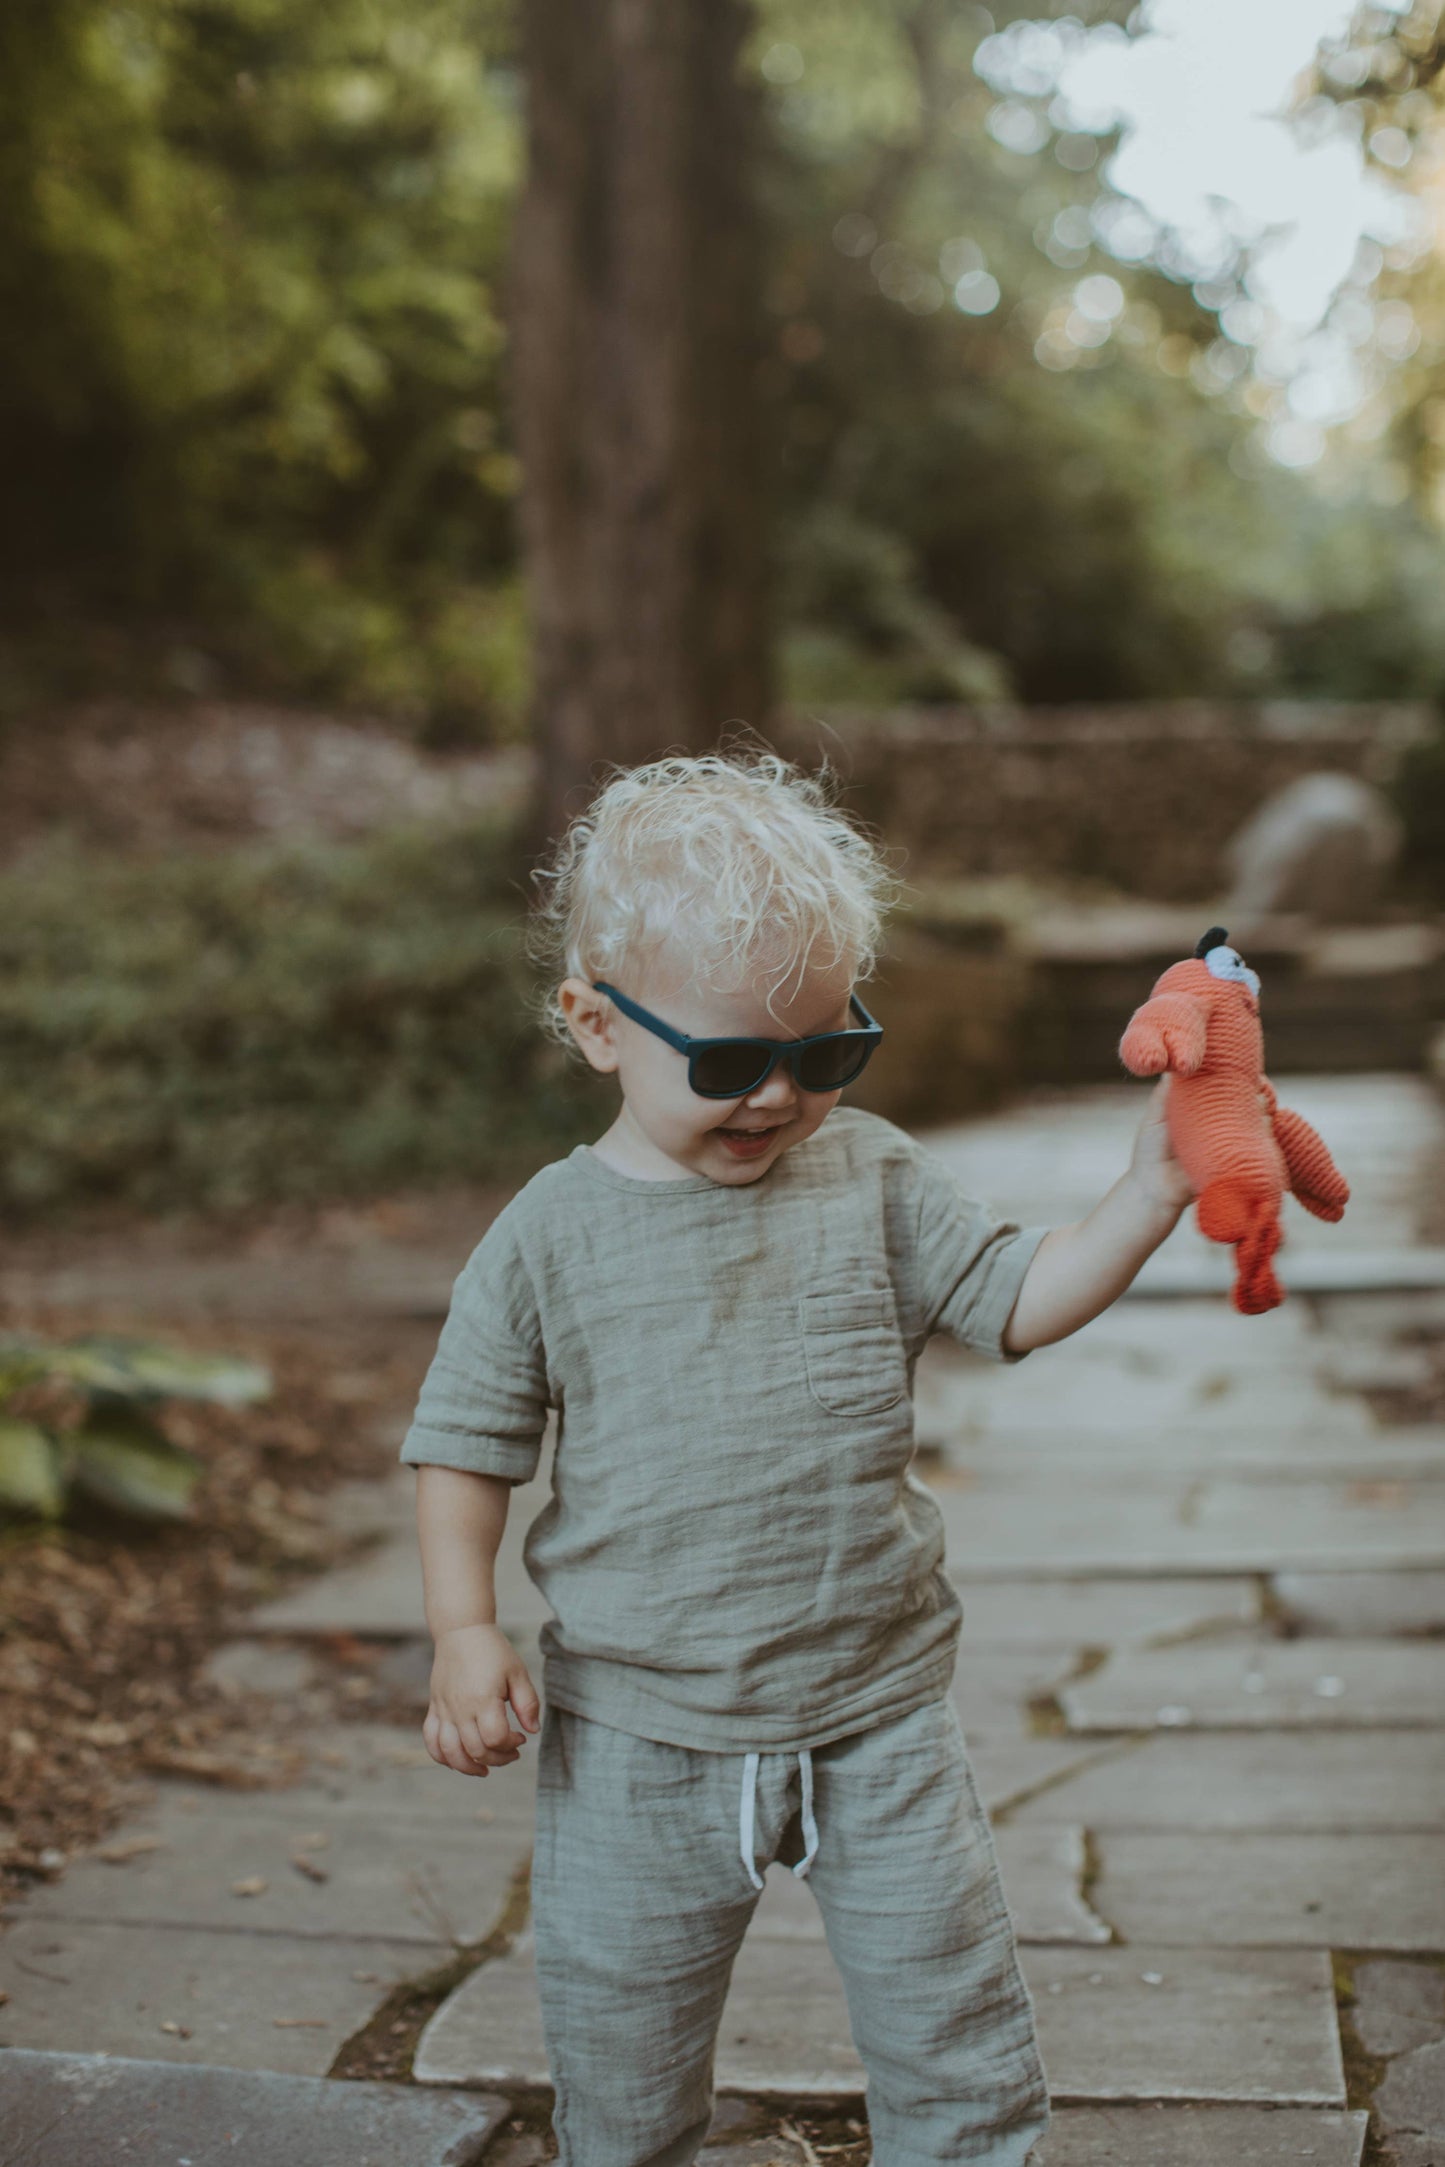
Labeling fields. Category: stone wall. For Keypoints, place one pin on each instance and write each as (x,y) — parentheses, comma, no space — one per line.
(1142,797)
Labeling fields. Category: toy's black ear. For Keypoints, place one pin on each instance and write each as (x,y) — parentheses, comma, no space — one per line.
(1214,938)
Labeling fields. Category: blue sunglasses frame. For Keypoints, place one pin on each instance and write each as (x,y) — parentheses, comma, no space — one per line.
(773,1050)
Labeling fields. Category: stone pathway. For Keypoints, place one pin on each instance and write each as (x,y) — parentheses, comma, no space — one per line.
(1204,1593)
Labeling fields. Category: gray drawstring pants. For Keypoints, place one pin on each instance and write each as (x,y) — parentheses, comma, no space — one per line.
(648,1862)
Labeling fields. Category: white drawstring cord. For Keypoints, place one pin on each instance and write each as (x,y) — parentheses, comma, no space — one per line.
(748,1807)
(745,1831)
(810,1826)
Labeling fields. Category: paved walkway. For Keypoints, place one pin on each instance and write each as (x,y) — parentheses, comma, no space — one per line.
(1201,1576)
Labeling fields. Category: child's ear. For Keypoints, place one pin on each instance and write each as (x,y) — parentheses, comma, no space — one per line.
(589,1019)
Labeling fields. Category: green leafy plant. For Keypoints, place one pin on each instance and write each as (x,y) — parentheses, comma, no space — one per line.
(116,1454)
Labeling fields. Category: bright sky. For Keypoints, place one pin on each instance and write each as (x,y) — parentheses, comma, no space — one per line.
(1201,96)
(1200,93)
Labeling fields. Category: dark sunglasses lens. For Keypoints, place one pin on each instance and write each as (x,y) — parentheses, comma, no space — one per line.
(835,1063)
(728,1072)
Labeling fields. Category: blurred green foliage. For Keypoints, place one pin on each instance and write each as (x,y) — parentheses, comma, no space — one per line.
(112,1452)
(249,334)
(253,412)
(211,1031)
(969,470)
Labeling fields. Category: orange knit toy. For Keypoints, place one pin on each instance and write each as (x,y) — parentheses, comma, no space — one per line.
(1239,1147)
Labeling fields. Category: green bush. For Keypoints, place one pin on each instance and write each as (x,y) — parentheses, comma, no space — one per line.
(114,1454)
(219,1031)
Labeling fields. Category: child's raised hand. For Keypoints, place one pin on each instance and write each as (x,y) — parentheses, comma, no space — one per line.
(1154,1166)
(475,1673)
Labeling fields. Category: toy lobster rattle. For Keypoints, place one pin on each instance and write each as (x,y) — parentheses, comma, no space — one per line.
(1239,1147)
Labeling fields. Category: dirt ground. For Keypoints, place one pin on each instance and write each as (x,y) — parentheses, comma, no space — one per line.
(209,774)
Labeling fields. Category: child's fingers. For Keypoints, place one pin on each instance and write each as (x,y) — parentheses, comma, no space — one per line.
(492,1756)
(444,1744)
(490,1727)
(523,1696)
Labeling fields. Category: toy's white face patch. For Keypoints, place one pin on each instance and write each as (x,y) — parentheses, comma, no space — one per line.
(1224,962)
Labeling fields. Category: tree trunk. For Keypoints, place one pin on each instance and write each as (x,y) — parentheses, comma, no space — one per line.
(635,356)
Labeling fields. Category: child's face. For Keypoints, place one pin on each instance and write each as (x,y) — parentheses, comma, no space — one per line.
(664,1128)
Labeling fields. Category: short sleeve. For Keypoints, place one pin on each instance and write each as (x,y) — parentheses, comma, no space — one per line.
(483,1403)
(970,1262)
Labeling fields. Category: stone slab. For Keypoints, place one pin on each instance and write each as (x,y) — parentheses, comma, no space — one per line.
(79,2110)
(1147,2136)
(376,1771)
(1377,1270)
(1051,1154)
(1365,1605)
(1347,1891)
(379,1593)
(1266,1781)
(1149,2023)
(252,2001)
(1399,2006)
(1374,1365)
(1303,1452)
(992,1687)
(1201,2137)
(1113,2024)
(379,1882)
(1042,1870)
(1411,2099)
(1383,1317)
(1408,2151)
(1100,1613)
(1008,1529)
(1254,1683)
(1066,1390)
(1011,1770)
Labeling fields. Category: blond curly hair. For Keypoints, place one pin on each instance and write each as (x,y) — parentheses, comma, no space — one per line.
(734,865)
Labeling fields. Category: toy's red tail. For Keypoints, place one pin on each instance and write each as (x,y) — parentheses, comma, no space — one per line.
(1230,1210)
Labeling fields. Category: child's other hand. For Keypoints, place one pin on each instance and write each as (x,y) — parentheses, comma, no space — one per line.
(1154,1167)
(475,1673)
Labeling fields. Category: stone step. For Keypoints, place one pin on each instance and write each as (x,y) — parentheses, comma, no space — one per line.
(1101,1613)
(91,2110)
(1246,1682)
(1137,1524)
(1352,1890)
(271,2001)
(1267,1781)
(1201,2137)
(1114,2024)
(1136,2136)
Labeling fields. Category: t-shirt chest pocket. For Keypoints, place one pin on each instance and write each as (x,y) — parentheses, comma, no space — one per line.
(853,1352)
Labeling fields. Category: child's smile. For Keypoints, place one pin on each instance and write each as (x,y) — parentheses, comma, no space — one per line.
(665,1129)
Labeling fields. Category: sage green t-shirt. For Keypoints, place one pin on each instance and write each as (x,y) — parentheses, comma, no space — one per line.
(735,1549)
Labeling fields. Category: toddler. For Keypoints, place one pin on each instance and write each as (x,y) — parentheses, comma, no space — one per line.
(723,1300)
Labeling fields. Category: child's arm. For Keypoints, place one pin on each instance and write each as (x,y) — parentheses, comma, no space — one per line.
(460,1518)
(1078,1270)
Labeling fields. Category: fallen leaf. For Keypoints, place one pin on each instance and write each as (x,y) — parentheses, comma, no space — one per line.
(252,1887)
(1375,1491)
(105,1731)
(116,1854)
(309,1867)
(181,2031)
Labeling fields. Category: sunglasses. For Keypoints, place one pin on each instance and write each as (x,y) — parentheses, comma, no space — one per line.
(730,1068)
